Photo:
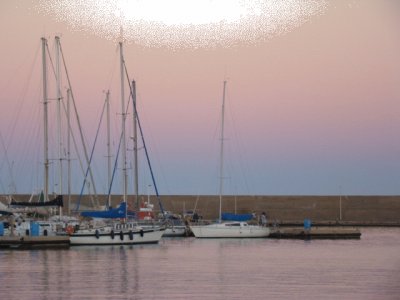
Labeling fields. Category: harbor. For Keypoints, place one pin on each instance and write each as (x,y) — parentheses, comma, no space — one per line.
(287,216)
(202,150)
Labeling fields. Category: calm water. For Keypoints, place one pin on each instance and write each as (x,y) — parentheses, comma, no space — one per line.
(187,268)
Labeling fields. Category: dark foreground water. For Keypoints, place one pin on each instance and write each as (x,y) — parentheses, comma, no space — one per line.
(187,268)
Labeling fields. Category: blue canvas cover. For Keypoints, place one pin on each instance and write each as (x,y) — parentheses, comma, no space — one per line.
(119,212)
(236,217)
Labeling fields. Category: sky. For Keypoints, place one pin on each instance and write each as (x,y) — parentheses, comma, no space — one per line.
(312,96)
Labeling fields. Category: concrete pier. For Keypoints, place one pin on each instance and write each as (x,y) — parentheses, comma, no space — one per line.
(315,233)
(34,242)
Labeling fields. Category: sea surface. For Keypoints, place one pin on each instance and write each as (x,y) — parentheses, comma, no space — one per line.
(189,268)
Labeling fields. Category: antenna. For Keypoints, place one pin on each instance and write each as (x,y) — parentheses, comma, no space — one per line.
(121,19)
(121,32)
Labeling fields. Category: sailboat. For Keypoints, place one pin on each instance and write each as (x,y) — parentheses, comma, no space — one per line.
(26,232)
(120,230)
(58,200)
(229,229)
(174,225)
(117,232)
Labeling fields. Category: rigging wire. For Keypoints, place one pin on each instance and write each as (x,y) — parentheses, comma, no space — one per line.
(240,147)
(113,69)
(156,152)
(117,154)
(23,97)
(12,188)
(118,149)
(75,143)
(143,142)
(53,175)
(13,126)
(79,124)
(91,157)
(115,166)
(212,148)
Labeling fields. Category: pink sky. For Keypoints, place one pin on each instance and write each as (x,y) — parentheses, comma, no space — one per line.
(313,111)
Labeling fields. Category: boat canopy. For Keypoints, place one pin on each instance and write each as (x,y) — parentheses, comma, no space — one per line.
(236,217)
(119,212)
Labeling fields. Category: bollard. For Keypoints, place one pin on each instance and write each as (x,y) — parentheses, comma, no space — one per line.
(307,224)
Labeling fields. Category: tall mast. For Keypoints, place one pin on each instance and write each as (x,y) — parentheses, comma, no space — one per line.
(58,88)
(221,170)
(45,123)
(108,146)
(85,152)
(125,179)
(69,148)
(340,204)
(135,146)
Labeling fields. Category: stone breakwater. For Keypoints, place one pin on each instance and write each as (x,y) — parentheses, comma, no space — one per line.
(360,210)
(294,209)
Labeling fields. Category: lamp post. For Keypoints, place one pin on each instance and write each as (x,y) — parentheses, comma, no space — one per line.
(340,203)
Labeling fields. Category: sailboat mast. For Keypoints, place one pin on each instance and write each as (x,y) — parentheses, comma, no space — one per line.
(58,88)
(69,148)
(125,179)
(108,146)
(221,170)
(85,152)
(45,121)
(135,146)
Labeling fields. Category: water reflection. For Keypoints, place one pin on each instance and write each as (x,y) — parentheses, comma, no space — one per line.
(210,269)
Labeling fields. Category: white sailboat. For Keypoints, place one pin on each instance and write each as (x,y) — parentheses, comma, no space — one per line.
(117,233)
(232,229)
(174,225)
(28,233)
(120,231)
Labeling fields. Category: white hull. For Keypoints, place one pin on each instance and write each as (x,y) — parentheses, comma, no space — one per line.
(108,236)
(170,231)
(175,231)
(229,230)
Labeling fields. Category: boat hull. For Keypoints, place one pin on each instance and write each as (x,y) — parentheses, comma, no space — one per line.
(229,230)
(110,237)
(176,231)
(170,231)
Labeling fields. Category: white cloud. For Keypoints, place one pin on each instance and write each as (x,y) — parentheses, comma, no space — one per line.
(185,23)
